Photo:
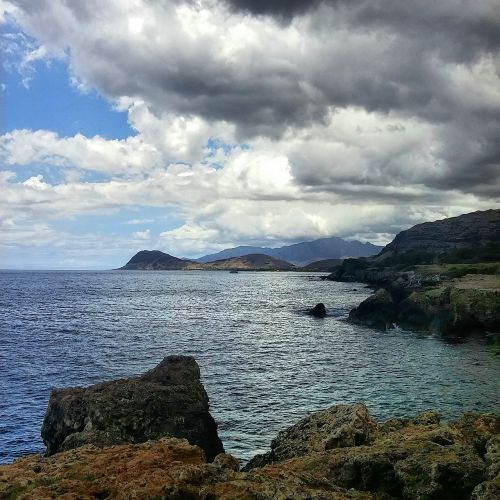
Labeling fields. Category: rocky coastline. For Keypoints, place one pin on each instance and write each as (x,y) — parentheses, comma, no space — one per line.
(441,276)
(152,437)
(433,298)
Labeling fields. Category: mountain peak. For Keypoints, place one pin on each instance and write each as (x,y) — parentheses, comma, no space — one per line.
(156,259)
(304,253)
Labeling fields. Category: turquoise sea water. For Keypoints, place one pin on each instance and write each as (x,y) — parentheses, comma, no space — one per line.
(264,363)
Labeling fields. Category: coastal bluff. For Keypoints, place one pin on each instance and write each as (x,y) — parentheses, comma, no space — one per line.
(168,400)
(441,276)
(152,437)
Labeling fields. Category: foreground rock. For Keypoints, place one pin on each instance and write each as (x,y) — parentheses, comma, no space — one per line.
(402,458)
(165,469)
(169,400)
(338,427)
(339,453)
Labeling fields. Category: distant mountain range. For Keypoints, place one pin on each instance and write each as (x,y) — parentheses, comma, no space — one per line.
(301,254)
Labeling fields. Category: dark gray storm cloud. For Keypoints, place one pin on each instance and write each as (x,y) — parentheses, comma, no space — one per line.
(284,9)
(433,62)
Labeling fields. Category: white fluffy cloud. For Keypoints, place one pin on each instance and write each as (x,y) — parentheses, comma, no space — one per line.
(263,125)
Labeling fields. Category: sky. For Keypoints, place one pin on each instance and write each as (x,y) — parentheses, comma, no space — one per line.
(191,126)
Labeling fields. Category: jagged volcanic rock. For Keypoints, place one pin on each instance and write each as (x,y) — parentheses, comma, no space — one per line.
(338,427)
(402,458)
(168,400)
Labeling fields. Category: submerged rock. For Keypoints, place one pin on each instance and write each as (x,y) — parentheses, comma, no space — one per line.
(168,400)
(318,311)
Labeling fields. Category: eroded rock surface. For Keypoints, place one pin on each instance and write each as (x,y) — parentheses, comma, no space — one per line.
(401,458)
(168,400)
(340,453)
(338,427)
(164,469)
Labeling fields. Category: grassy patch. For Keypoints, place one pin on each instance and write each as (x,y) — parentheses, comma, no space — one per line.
(460,270)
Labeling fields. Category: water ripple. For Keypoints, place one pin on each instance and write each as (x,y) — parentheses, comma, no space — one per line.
(264,363)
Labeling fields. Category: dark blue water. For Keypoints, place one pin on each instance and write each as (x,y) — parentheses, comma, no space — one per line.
(264,363)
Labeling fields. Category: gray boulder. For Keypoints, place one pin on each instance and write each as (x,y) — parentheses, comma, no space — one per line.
(168,400)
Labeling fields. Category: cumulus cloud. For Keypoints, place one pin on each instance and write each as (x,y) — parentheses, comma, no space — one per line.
(267,121)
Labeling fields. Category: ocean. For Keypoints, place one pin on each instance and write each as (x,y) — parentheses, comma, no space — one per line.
(264,362)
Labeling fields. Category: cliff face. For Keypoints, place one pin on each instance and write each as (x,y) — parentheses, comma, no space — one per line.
(468,230)
(339,453)
(166,401)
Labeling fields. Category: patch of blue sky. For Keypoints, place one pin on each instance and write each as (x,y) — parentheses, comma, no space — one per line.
(123,221)
(214,145)
(50,102)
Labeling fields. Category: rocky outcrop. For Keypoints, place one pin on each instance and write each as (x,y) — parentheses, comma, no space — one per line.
(169,400)
(338,427)
(402,458)
(465,231)
(340,453)
(421,272)
(318,311)
(377,311)
(451,309)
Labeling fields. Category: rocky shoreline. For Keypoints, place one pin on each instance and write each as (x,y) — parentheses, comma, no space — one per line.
(153,437)
(441,276)
(455,301)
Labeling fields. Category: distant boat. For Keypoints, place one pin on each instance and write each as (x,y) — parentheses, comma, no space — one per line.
(233,271)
